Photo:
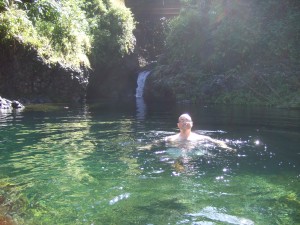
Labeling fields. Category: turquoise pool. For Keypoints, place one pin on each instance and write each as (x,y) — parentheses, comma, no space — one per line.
(106,164)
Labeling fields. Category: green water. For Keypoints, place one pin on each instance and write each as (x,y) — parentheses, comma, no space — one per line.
(106,165)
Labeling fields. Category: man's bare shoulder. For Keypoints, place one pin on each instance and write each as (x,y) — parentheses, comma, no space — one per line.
(198,137)
(192,137)
(171,138)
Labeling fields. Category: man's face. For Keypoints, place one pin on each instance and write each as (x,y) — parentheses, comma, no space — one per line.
(185,123)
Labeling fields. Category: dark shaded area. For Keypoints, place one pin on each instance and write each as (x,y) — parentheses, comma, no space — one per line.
(115,83)
(26,77)
(152,24)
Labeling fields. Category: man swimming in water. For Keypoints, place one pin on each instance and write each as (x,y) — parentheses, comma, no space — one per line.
(185,125)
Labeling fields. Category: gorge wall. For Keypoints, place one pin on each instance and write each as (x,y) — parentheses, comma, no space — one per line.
(24,76)
(27,77)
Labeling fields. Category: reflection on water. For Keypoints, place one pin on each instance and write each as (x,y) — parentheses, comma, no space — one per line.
(217,215)
(79,166)
(140,108)
(119,198)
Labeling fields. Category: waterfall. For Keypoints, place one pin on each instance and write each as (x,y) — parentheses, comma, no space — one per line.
(140,104)
(141,83)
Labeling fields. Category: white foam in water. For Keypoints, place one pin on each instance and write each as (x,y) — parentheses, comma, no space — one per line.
(119,198)
(196,223)
(209,131)
(213,214)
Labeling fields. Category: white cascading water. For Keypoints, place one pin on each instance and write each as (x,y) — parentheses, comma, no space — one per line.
(140,104)
(141,83)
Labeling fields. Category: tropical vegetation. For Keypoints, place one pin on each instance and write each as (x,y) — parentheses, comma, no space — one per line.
(75,32)
(215,51)
(237,51)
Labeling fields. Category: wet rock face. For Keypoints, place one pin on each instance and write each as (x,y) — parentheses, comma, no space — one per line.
(25,76)
(116,82)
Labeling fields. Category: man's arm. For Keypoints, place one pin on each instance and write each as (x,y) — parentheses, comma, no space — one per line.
(222,144)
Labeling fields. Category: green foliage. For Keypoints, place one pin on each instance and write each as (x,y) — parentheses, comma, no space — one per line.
(281,30)
(48,11)
(65,26)
(240,42)
(4,5)
(7,4)
(67,30)
(187,36)
(215,39)
(15,25)
(113,37)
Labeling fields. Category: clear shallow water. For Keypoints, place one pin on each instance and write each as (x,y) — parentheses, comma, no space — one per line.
(106,165)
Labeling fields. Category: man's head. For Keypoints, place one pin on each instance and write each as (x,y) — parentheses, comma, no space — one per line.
(185,122)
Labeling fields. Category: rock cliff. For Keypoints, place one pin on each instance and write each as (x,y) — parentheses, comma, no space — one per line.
(26,77)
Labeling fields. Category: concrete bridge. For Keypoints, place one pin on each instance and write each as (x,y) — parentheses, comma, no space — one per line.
(154,7)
